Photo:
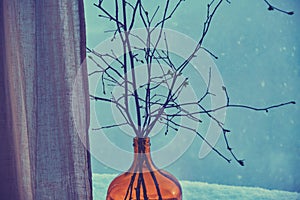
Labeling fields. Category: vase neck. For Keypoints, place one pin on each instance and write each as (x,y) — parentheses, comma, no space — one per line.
(142,161)
(141,145)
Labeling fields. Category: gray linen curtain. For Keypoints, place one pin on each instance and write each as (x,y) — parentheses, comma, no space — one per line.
(42,46)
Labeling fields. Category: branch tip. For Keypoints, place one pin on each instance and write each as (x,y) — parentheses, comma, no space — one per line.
(241,162)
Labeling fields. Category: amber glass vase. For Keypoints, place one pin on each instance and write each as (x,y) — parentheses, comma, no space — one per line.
(143,181)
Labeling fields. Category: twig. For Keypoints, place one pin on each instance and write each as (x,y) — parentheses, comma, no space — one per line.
(271,8)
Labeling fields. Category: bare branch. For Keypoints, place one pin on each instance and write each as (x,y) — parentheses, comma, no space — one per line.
(151,101)
(271,8)
(108,15)
(110,126)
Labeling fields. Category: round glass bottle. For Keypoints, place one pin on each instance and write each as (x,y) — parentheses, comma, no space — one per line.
(143,181)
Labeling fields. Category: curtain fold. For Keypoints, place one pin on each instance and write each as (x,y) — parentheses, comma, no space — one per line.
(41,55)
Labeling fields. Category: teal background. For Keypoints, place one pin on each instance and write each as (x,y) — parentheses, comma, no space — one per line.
(259,61)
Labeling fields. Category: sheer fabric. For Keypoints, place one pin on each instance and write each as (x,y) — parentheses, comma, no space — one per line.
(42,46)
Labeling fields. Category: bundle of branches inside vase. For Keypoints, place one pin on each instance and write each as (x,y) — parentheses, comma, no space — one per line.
(142,77)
